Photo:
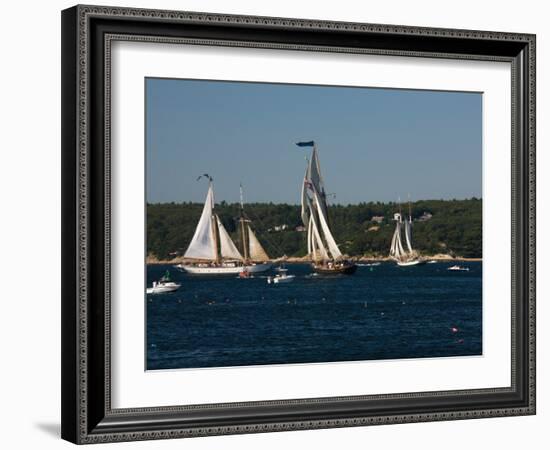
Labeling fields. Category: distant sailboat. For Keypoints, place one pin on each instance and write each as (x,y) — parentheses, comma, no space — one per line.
(404,256)
(324,252)
(213,252)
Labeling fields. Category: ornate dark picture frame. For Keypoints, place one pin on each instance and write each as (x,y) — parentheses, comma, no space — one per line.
(87,33)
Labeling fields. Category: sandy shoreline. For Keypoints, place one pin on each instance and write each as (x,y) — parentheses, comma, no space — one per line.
(439,257)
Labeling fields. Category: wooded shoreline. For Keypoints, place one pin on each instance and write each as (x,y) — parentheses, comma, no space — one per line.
(297,260)
(442,229)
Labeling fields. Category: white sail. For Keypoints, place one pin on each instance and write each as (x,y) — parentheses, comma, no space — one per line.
(314,172)
(305,202)
(227,247)
(317,242)
(309,237)
(393,246)
(396,248)
(400,249)
(408,235)
(256,252)
(332,246)
(314,177)
(203,244)
(314,216)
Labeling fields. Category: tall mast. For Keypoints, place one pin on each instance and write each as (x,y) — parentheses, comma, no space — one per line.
(399,201)
(243,228)
(410,214)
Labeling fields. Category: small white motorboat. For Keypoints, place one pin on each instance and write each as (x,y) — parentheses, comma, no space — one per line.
(281,277)
(164,285)
(433,261)
(458,268)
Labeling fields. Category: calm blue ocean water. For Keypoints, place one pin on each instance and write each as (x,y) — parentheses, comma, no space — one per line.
(383,312)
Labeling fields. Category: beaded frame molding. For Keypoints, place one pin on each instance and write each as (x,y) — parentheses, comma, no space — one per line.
(87,35)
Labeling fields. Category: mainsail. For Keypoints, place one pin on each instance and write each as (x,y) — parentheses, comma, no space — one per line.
(321,242)
(203,244)
(255,250)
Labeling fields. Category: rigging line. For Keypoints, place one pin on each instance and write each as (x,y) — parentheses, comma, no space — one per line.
(273,246)
(245,217)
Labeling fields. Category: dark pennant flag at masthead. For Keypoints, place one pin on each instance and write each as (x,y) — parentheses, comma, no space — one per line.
(305,144)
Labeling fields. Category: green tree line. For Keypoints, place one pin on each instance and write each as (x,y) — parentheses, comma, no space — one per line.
(439,226)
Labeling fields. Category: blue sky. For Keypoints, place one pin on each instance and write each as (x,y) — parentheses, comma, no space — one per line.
(374,144)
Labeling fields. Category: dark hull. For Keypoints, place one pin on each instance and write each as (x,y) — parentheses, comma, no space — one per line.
(346,269)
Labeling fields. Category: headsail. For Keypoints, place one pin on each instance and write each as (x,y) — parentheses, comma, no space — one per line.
(227,247)
(332,246)
(319,250)
(255,250)
(203,244)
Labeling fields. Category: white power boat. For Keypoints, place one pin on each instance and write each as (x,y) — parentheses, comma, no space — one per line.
(458,268)
(281,277)
(164,285)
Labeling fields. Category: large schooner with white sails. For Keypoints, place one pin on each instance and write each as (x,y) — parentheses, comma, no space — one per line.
(404,256)
(213,252)
(322,248)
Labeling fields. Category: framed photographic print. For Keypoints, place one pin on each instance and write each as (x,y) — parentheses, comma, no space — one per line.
(278,224)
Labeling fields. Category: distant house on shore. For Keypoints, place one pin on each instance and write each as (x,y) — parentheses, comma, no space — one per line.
(282,227)
(300,228)
(377,219)
(425,217)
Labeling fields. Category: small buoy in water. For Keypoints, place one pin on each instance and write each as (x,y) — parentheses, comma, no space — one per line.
(381,313)
(460,341)
(454,329)
(153,345)
(179,301)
